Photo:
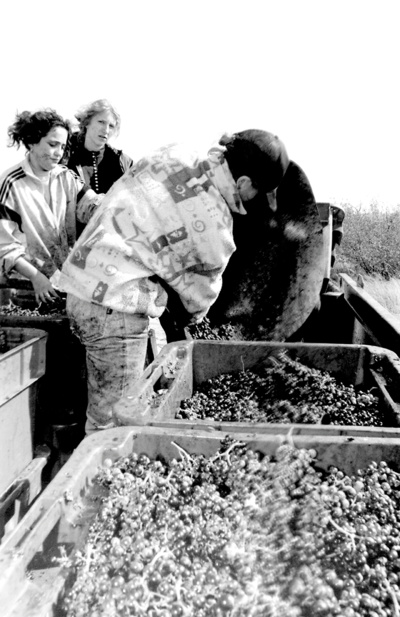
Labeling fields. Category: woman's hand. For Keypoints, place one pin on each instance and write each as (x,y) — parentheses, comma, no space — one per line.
(44,290)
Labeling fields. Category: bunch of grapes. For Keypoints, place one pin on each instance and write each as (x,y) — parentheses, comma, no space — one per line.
(55,308)
(206,331)
(238,535)
(286,391)
(3,342)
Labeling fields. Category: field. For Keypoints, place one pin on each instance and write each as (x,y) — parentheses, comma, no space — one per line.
(371,248)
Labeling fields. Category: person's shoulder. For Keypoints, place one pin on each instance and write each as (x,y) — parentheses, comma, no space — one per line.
(13,174)
(125,161)
(75,146)
(74,140)
(295,183)
(116,151)
(112,150)
(64,172)
(61,169)
(294,193)
(295,171)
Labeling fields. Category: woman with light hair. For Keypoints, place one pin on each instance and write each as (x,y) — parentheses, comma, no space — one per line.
(90,154)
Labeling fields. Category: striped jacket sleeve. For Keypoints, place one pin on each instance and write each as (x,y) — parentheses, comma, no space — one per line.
(11,237)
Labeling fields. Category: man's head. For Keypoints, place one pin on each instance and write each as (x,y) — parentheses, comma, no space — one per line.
(257,160)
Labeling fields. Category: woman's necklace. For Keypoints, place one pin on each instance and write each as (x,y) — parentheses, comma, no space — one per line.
(95,172)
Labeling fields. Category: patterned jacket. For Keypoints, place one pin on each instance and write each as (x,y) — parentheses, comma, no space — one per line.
(111,164)
(169,219)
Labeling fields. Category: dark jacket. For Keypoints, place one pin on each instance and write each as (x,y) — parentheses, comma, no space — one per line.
(111,164)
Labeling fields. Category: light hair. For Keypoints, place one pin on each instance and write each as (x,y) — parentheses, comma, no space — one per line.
(86,113)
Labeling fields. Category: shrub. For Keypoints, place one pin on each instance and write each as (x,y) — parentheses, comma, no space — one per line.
(370,242)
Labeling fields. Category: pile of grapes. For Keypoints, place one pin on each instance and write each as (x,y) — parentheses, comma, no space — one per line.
(206,331)
(239,535)
(56,308)
(285,391)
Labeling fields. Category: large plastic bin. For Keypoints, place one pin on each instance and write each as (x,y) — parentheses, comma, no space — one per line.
(62,394)
(22,365)
(181,367)
(22,359)
(63,397)
(31,580)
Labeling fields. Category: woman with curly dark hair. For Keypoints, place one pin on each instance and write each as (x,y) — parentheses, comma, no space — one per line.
(40,202)
(91,156)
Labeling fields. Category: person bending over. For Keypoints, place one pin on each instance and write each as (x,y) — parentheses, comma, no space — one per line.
(167,226)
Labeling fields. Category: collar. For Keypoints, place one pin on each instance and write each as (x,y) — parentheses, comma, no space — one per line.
(86,156)
(26,166)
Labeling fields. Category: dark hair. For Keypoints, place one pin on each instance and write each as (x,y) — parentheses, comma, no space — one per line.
(29,128)
(86,113)
(257,154)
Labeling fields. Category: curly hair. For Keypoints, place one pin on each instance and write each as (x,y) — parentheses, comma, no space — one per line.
(86,113)
(29,128)
(258,154)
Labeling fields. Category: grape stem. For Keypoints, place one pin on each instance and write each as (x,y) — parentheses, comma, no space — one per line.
(394,600)
(183,452)
(225,454)
(88,558)
(347,533)
(287,438)
(64,561)
(163,551)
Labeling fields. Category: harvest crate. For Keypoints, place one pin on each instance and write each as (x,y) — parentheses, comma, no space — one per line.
(31,580)
(22,364)
(181,367)
(63,397)
(22,359)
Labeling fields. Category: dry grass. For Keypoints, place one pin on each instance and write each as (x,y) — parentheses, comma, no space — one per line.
(371,248)
(370,242)
(387,293)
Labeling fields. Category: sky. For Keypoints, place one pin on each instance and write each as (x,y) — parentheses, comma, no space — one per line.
(323,75)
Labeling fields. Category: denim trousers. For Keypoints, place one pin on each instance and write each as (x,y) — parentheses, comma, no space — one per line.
(116,346)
